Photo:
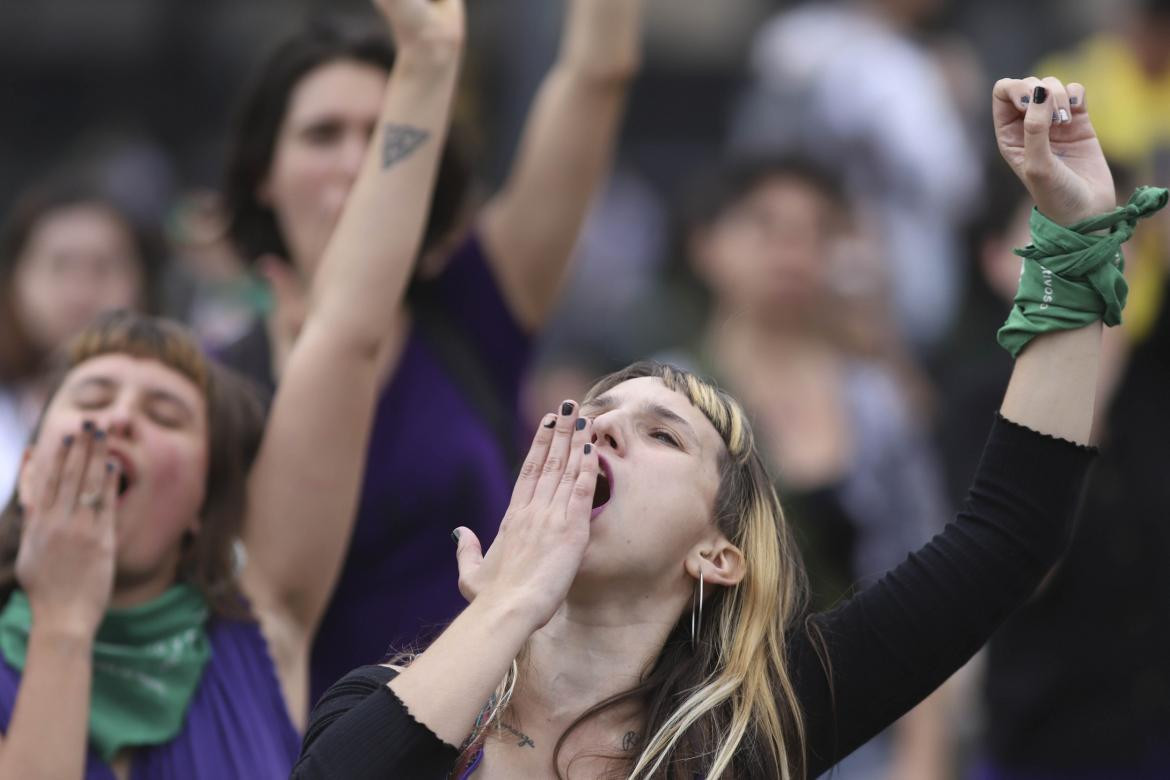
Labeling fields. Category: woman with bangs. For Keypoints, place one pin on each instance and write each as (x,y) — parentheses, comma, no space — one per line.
(68,251)
(134,641)
(642,613)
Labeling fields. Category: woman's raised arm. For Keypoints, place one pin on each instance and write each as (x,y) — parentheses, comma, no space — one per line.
(890,646)
(304,485)
(532,225)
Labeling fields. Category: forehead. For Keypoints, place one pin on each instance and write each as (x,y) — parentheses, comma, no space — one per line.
(80,222)
(135,373)
(338,87)
(643,391)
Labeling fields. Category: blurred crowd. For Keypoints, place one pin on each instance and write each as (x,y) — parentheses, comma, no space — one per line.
(806,204)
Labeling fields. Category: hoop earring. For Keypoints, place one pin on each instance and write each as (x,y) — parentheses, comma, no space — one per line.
(697,620)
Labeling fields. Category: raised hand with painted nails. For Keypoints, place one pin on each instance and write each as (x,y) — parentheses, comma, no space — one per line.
(1043,130)
(536,554)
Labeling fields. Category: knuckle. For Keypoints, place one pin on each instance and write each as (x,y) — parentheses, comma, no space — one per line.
(582,489)
(554,463)
(530,469)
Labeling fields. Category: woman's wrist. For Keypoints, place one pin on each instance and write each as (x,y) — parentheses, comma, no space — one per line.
(514,614)
(63,634)
(64,624)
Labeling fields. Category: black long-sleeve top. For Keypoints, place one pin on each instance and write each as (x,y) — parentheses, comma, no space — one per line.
(887,648)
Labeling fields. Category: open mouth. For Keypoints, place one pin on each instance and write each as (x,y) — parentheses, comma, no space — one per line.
(604,489)
(125,473)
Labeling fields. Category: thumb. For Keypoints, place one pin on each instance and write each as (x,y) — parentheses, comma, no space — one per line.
(469,557)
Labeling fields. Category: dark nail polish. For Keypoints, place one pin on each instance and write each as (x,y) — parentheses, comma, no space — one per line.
(99,435)
(567,408)
(68,440)
(88,426)
(551,423)
(109,467)
(1072,101)
(1026,99)
(1039,95)
(580,423)
(455,536)
(588,448)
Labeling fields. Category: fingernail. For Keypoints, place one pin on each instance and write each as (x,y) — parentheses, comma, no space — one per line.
(88,426)
(99,435)
(1064,117)
(1039,95)
(109,467)
(1026,99)
(455,536)
(567,408)
(588,448)
(1073,100)
(550,422)
(580,423)
(68,440)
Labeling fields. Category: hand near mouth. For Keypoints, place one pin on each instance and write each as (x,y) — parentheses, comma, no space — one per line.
(542,538)
(66,559)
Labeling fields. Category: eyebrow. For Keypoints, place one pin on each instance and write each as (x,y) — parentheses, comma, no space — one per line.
(606,402)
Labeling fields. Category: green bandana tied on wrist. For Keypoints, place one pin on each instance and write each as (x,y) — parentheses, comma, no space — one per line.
(147,663)
(1072,278)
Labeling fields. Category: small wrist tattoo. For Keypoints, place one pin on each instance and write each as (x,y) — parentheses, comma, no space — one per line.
(400,142)
(630,741)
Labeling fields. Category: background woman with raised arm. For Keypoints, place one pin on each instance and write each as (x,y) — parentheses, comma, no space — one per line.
(642,605)
(445,439)
(129,646)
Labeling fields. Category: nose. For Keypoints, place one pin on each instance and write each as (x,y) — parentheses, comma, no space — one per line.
(608,431)
(117,420)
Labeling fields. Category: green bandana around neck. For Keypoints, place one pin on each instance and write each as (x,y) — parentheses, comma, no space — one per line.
(147,663)
(1072,278)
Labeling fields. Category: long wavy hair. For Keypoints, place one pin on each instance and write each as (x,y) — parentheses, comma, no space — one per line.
(724,706)
(235,417)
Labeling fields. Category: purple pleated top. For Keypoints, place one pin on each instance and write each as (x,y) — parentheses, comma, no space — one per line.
(237,725)
(433,464)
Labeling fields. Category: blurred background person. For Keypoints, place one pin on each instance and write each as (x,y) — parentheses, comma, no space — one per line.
(68,252)
(846,83)
(797,328)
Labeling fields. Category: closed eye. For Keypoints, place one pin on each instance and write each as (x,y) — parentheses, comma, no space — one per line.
(666,437)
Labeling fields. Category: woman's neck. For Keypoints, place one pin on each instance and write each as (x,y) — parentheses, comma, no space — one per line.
(584,655)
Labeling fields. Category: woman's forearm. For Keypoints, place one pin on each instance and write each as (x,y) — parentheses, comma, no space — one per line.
(1054,383)
(371,256)
(304,486)
(564,155)
(602,40)
(47,735)
(447,687)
